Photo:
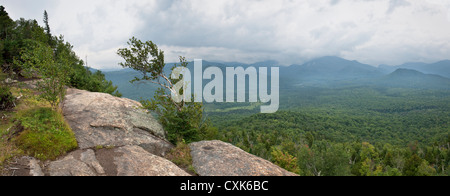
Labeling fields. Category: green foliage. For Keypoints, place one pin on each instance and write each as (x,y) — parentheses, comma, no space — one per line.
(6,26)
(15,41)
(46,135)
(2,61)
(179,124)
(353,131)
(187,124)
(6,98)
(181,156)
(415,166)
(5,23)
(18,39)
(182,121)
(82,78)
(285,160)
(145,58)
(47,28)
(54,70)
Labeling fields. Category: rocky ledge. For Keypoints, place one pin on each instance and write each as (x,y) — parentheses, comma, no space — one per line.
(118,138)
(216,158)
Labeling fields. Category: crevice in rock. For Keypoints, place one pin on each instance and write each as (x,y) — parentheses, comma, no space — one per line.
(106,159)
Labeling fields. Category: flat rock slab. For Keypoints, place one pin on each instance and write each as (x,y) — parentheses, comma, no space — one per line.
(100,119)
(216,158)
(122,161)
(25,166)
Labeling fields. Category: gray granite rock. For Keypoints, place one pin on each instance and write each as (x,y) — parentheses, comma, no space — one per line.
(100,119)
(216,158)
(135,161)
(121,161)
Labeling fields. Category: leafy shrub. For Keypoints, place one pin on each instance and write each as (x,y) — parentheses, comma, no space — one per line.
(181,156)
(54,70)
(188,124)
(46,135)
(6,98)
(182,120)
(84,79)
(285,160)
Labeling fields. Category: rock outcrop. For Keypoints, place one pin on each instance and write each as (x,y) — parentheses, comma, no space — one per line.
(99,119)
(117,138)
(216,158)
(121,161)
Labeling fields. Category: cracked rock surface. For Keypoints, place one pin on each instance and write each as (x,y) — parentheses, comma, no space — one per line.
(121,161)
(217,158)
(100,119)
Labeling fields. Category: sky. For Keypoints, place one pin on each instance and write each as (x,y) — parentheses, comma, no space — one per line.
(374,32)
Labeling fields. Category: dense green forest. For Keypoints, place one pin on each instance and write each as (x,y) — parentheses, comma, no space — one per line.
(332,144)
(347,131)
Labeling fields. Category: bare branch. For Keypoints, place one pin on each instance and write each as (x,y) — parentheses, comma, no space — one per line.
(167,79)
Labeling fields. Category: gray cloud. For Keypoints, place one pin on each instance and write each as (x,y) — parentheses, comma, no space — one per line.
(334,2)
(394,4)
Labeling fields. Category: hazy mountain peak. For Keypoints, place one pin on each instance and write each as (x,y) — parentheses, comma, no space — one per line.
(334,58)
(403,71)
(266,63)
(444,61)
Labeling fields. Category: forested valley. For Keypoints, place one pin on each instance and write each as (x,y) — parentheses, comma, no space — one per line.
(360,131)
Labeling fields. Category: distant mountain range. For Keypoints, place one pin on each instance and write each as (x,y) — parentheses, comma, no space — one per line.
(407,78)
(441,68)
(327,71)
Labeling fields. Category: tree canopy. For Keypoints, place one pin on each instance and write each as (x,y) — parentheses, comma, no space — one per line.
(15,38)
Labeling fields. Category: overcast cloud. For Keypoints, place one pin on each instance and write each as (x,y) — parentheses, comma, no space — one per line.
(290,32)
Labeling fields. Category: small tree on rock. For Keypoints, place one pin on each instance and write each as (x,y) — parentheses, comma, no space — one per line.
(182,120)
(40,59)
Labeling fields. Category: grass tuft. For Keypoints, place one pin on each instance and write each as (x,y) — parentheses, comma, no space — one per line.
(46,135)
(181,156)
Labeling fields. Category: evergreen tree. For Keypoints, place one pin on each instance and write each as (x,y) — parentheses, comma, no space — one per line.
(47,29)
(5,23)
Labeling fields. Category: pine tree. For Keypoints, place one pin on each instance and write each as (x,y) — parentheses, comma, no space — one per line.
(6,26)
(5,23)
(47,28)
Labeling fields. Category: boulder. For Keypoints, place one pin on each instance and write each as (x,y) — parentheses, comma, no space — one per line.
(100,119)
(121,161)
(216,158)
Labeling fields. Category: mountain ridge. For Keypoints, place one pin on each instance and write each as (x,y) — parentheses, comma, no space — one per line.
(409,78)
(328,71)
